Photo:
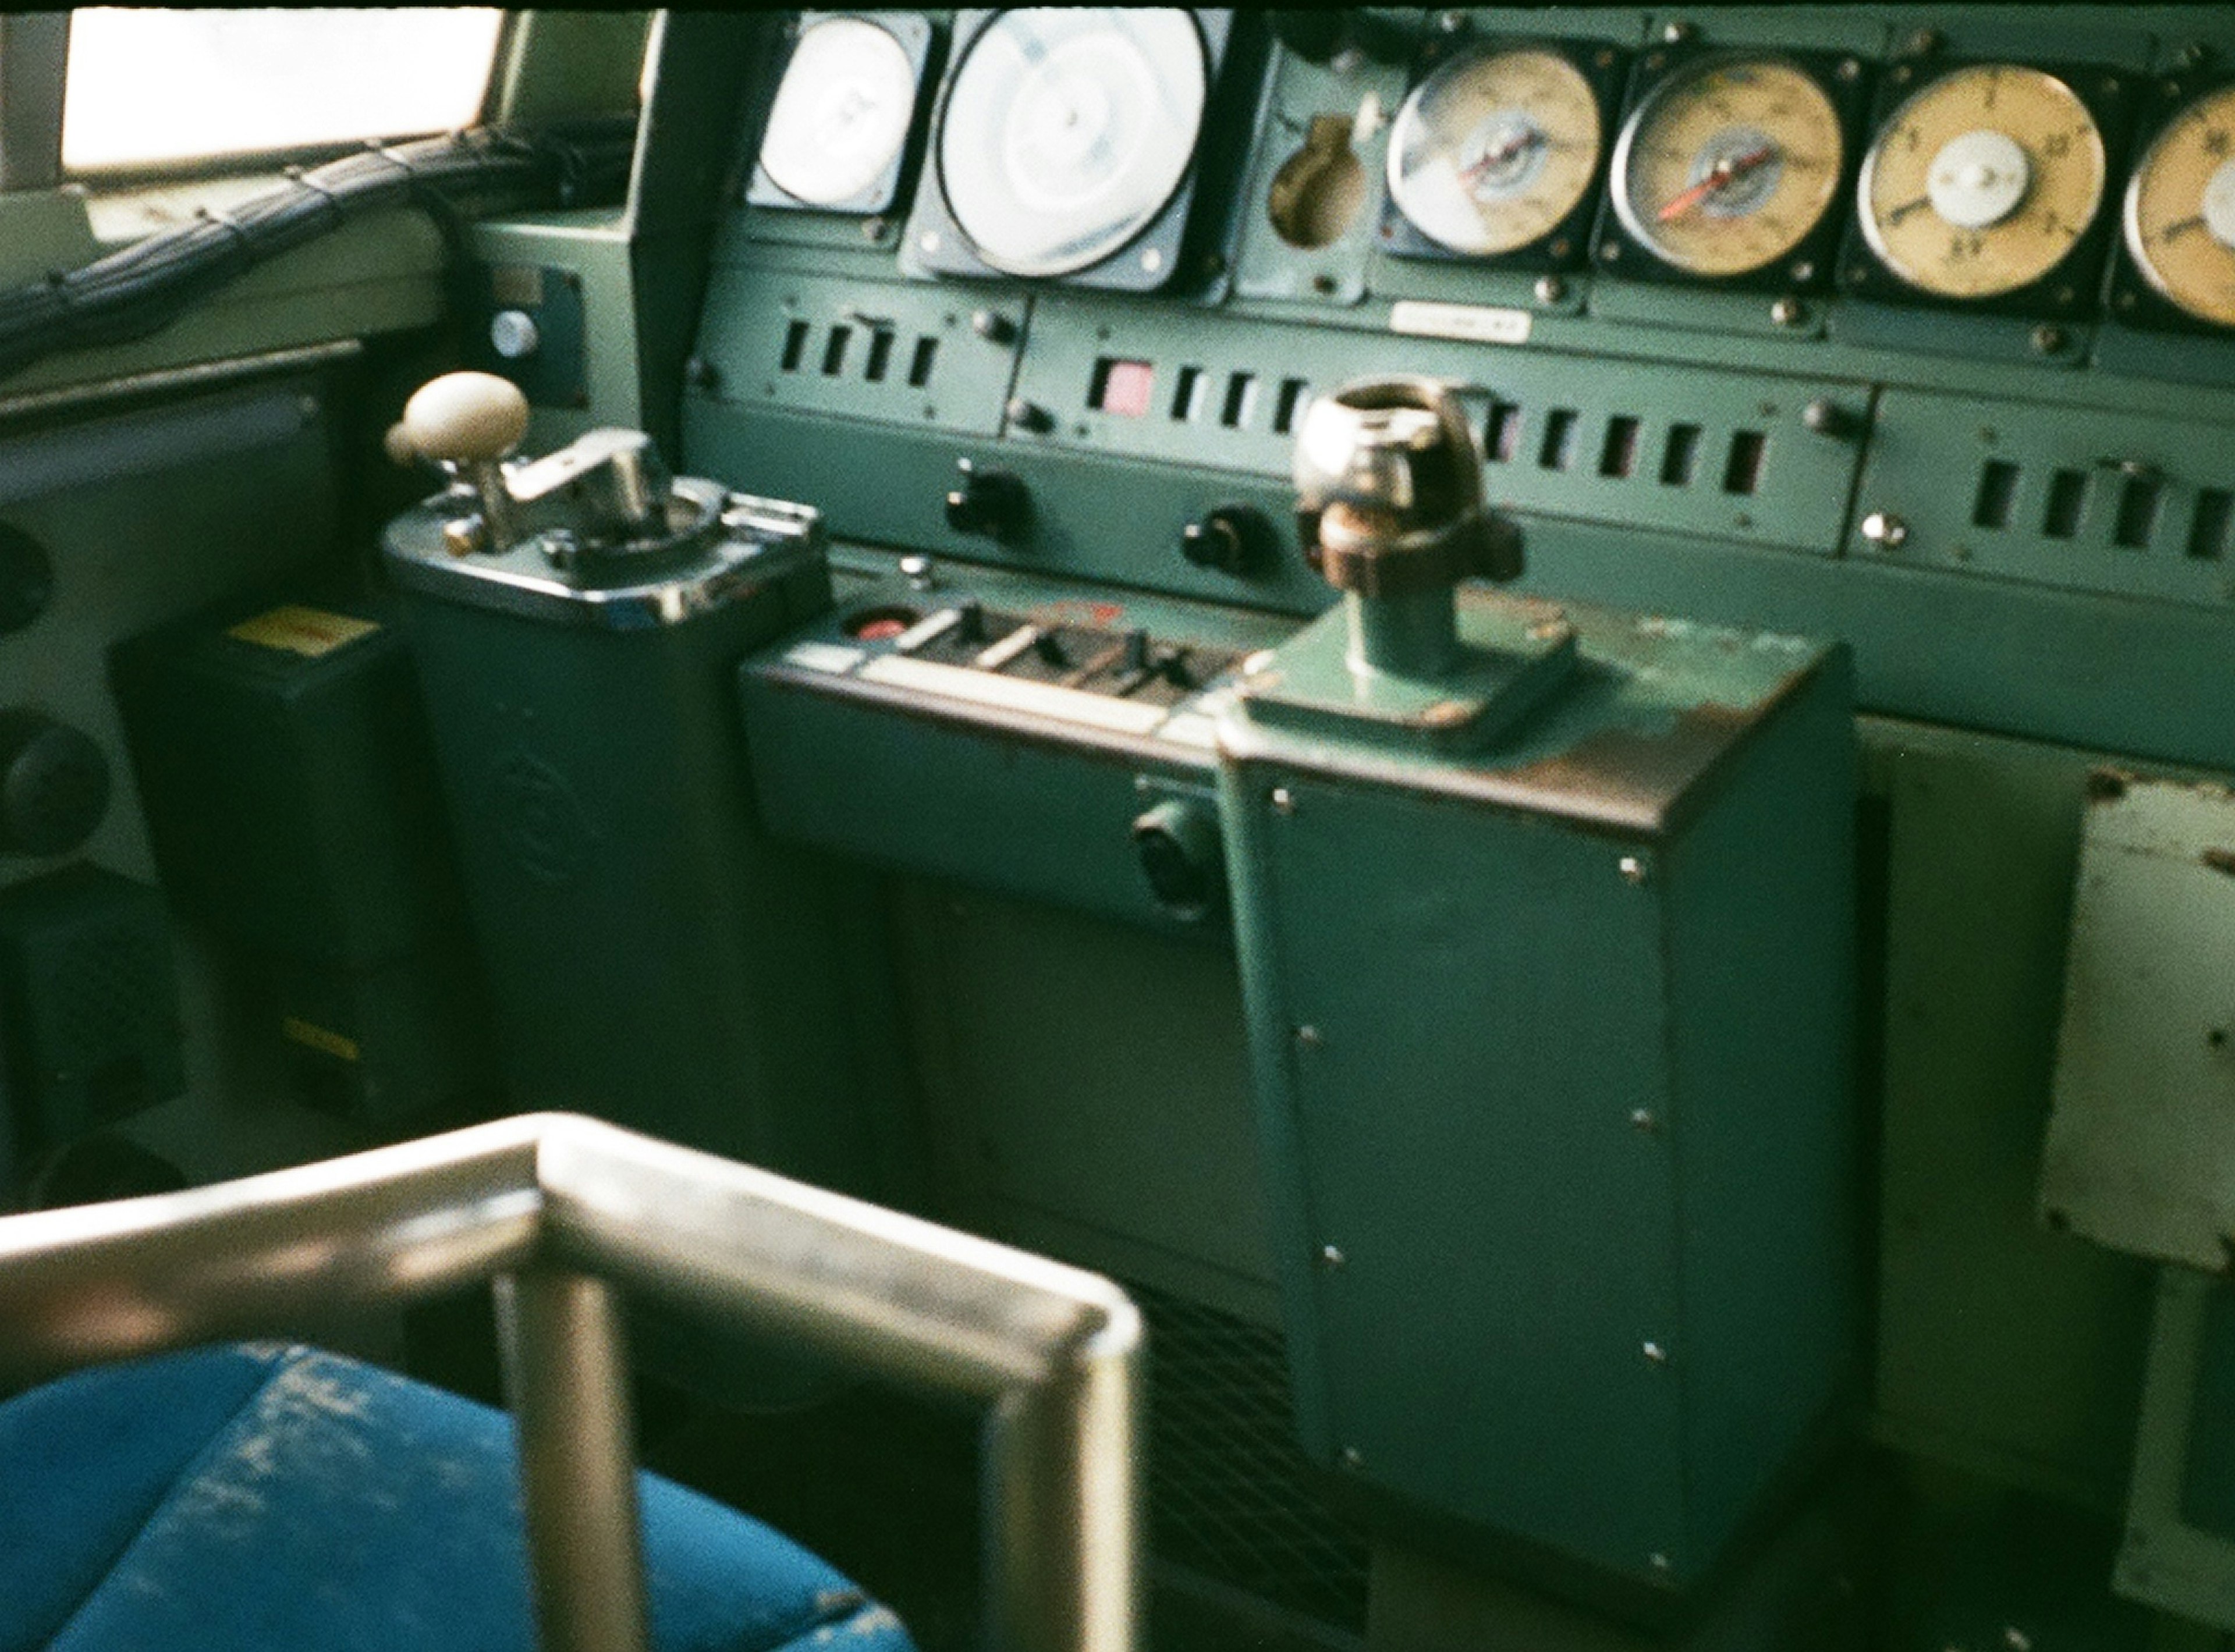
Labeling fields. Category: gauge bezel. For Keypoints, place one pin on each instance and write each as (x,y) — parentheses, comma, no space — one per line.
(1566,246)
(1845,80)
(2069,289)
(2133,297)
(917,38)
(1172,232)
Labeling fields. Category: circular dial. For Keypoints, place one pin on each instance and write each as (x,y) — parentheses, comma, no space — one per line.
(841,113)
(2180,209)
(1980,183)
(1489,153)
(1727,165)
(1066,131)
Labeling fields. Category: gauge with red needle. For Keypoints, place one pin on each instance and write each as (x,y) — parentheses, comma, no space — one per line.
(1493,150)
(1728,164)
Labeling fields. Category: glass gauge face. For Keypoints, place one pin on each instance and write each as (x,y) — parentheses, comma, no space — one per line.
(1980,183)
(1489,153)
(1067,131)
(841,113)
(2181,210)
(1729,165)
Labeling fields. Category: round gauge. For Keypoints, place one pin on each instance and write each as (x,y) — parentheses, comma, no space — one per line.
(841,113)
(1489,153)
(1066,132)
(1727,165)
(1982,183)
(2181,210)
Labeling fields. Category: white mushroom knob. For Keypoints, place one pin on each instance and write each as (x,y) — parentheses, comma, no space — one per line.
(464,418)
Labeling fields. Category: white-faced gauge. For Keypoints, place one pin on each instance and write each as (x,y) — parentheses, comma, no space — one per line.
(1065,131)
(1491,151)
(2181,210)
(1983,181)
(1729,165)
(841,113)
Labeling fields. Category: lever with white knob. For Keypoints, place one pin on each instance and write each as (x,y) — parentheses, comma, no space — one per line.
(468,422)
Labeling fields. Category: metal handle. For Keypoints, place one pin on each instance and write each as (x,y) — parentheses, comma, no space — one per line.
(543,1201)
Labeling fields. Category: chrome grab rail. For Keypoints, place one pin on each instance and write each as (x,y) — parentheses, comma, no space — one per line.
(552,1207)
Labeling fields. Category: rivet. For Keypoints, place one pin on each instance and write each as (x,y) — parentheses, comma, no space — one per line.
(1676,33)
(1849,68)
(872,228)
(1642,1118)
(1656,1354)
(1308,1038)
(1883,528)
(1609,252)
(1659,1562)
(1787,312)
(1152,261)
(1352,1457)
(2047,341)
(1284,801)
(1331,1257)
(1632,868)
(1550,289)
(2017,1639)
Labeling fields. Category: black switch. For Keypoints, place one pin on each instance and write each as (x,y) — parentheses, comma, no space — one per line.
(991,504)
(1233,538)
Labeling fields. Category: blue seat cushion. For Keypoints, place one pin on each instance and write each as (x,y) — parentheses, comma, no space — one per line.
(269,1497)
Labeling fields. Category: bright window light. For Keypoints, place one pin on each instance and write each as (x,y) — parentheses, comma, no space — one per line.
(149,86)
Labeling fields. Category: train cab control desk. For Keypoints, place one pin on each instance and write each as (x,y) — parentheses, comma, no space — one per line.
(1543,916)
(656,959)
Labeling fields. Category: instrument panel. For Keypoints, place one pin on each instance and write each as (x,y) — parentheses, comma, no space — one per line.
(1069,144)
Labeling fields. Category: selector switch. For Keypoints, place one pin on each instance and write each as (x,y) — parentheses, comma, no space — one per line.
(991,504)
(1234,538)
(1182,857)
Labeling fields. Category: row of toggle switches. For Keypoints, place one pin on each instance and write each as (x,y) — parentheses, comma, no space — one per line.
(1125,664)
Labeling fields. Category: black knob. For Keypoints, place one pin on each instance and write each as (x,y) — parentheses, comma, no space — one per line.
(54,785)
(1182,857)
(970,621)
(990,503)
(1049,646)
(1233,538)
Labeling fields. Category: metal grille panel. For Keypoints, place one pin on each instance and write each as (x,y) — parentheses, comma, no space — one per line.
(1230,1492)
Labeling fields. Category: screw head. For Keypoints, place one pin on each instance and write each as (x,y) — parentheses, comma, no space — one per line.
(1308,1038)
(1353,1459)
(1284,801)
(1788,313)
(1550,289)
(1641,1120)
(1884,529)
(1654,1353)
(1676,33)
(2047,341)
(1331,1257)
(1632,868)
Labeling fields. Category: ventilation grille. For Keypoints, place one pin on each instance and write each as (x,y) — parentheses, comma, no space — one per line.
(1639,445)
(1230,1496)
(859,349)
(2065,496)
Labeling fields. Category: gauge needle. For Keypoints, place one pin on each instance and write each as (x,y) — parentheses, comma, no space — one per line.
(1502,153)
(1726,171)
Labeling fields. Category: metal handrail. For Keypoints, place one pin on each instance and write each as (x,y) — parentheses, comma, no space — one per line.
(555,1209)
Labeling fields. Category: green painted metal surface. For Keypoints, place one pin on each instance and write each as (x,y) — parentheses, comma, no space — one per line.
(1550,1053)
(2002,1347)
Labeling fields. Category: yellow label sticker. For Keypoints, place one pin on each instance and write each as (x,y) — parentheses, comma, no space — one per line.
(314,1037)
(307,631)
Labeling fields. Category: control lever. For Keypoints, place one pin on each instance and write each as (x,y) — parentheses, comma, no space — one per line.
(605,494)
(467,424)
(1389,504)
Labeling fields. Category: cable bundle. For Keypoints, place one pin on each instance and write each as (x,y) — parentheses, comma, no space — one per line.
(131,294)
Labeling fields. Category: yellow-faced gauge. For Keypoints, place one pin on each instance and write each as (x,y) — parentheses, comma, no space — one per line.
(1729,165)
(2181,210)
(1491,151)
(1982,183)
